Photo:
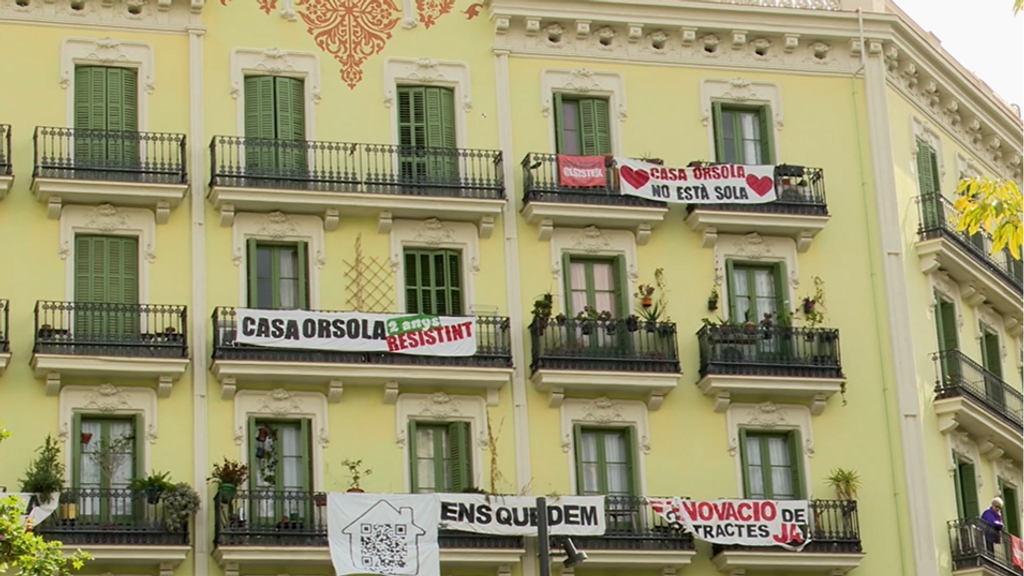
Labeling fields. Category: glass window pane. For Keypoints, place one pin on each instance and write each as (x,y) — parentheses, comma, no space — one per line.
(570,130)
(618,479)
(728,139)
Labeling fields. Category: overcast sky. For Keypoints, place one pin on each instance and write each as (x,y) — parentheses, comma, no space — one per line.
(983,35)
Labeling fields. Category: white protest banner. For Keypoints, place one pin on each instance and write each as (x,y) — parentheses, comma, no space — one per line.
(719,184)
(416,334)
(35,511)
(517,515)
(744,522)
(389,534)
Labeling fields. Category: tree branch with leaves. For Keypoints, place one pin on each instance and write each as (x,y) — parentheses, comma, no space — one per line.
(992,206)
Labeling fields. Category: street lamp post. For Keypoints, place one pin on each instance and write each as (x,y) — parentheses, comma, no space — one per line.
(542,536)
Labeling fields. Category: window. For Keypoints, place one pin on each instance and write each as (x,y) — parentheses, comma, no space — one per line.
(582,126)
(278,275)
(743,135)
(606,461)
(106,272)
(597,283)
(275,125)
(772,465)
(966,487)
(426,120)
(433,282)
(109,452)
(927,169)
(1011,508)
(992,361)
(440,457)
(106,100)
(755,290)
(947,330)
(279,461)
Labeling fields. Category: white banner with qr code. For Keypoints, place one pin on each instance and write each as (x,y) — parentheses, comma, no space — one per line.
(388,534)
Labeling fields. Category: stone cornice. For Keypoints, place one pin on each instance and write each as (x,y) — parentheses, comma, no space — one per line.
(753,38)
(109,15)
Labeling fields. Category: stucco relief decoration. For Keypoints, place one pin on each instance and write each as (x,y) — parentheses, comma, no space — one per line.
(439,406)
(354,30)
(107,398)
(755,247)
(603,411)
(277,225)
(280,402)
(106,218)
(767,415)
(591,240)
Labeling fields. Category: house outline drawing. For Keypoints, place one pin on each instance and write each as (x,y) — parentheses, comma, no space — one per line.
(383,512)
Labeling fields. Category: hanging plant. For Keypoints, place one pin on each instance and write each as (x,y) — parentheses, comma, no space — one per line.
(266,454)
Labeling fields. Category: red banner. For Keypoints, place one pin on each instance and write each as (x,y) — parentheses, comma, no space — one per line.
(1017,551)
(581,171)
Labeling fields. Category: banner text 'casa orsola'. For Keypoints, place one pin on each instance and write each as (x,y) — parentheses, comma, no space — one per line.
(717,184)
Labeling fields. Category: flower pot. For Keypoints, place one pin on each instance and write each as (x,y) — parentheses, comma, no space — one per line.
(86,437)
(632,324)
(356,491)
(808,306)
(153,494)
(69,511)
(750,328)
(548,298)
(587,329)
(610,328)
(651,326)
(320,499)
(666,330)
(712,304)
(226,492)
(647,301)
(260,451)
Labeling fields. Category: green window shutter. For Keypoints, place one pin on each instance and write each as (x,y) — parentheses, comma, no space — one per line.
(411,117)
(602,127)
(303,271)
(925,174)
(121,116)
(139,445)
(307,455)
(744,465)
(90,113)
(290,124)
(716,109)
(106,269)
(84,250)
(453,263)
(412,291)
(260,124)
(567,281)
(632,447)
(958,490)
(1011,509)
(115,100)
(577,434)
(594,127)
(947,312)
(459,456)
(414,470)
(796,464)
(251,254)
(556,99)
(621,283)
(253,461)
(767,136)
(969,486)
(441,165)
(991,354)
(781,291)
(76,449)
(730,283)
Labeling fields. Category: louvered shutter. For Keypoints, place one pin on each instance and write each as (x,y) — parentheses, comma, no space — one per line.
(440,130)
(744,462)
(252,255)
(260,125)
(992,355)
(925,174)
(305,438)
(632,452)
(720,144)
(412,134)
(781,291)
(139,446)
(602,127)
(90,115)
(567,280)
(946,323)
(556,100)
(621,284)
(76,449)
(459,457)
(254,463)
(412,275)
(1011,509)
(730,283)
(969,489)
(302,268)
(290,125)
(796,462)
(453,265)
(413,464)
(577,435)
(767,141)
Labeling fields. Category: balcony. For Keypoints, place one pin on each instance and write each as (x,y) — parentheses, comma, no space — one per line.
(636,538)
(618,356)
(488,370)
(755,362)
(98,340)
(76,166)
(834,547)
(117,527)
(980,403)
(333,178)
(983,276)
(799,212)
(547,203)
(258,529)
(6,176)
(5,340)
(975,552)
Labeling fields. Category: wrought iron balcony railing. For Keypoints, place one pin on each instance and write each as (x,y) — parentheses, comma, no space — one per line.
(541,183)
(974,543)
(348,167)
(834,528)
(493,347)
(961,376)
(799,190)
(271,518)
(96,328)
(95,516)
(758,350)
(5,337)
(76,153)
(631,524)
(5,149)
(628,344)
(937,220)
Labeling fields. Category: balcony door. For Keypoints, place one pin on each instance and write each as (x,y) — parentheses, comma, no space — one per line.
(280,466)
(106,122)
(1011,507)
(426,136)
(965,487)
(992,360)
(433,282)
(772,465)
(743,134)
(106,307)
(278,275)
(107,454)
(275,128)
(607,464)
(440,457)
(947,330)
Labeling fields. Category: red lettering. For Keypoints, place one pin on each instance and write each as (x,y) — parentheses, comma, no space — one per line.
(705,511)
(730,511)
(690,507)
(430,337)
(468,327)
(392,343)
(783,537)
(457,332)
(447,333)
(413,339)
(768,510)
(743,511)
(403,342)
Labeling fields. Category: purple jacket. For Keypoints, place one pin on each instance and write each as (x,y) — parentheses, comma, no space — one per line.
(994,518)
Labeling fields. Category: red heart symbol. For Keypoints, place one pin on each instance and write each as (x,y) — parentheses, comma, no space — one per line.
(760,185)
(635,178)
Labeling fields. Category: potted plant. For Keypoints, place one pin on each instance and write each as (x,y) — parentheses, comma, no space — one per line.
(45,474)
(813,306)
(588,318)
(646,295)
(845,483)
(320,499)
(86,437)
(228,475)
(542,312)
(181,503)
(356,472)
(713,299)
(633,323)
(153,486)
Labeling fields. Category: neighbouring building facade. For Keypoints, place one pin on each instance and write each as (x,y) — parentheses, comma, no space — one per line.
(166,164)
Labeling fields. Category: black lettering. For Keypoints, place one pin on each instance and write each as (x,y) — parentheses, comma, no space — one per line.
(352,327)
(787,515)
(800,516)
(378,330)
(309,328)
(448,511)
(465,512)
(483,514)
(262,328)
(521,519)
(503,516)
(554,516)
(291,331)
(533,517)
(366,329)
(248,326)
(572,515)
(588,515)
(323,328)
(277,327)
(339,328)
(762,531)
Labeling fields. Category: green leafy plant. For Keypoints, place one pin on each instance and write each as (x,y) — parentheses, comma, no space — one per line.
(994,206)
(649,309)
(26,553)
(153,485)
(229,472)
(356,472)
(845,483)
(181,503)
(45,474)
(814,306)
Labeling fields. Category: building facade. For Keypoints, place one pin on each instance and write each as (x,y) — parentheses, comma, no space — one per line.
(371,155)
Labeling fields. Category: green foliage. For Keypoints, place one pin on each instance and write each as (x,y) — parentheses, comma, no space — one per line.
(993,206)
(355,471)
(28,554)
(181,503)
(845,483)
(656,310)
(112,454)
(45,474)
(3,432)
(229,472)
(814,306)
(158,481)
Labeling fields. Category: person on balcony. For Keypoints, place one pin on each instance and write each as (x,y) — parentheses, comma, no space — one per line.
(993,519)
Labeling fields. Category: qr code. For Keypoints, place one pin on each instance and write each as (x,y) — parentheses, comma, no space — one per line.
(383,547)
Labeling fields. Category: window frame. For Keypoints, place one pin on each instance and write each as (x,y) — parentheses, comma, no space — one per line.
(457,460)
(411,256)
(778,270)
(962,489)
(601,143)
(765,125)
(253,245)
(793,443)
(620,282)
(1011,507)
(633,459)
